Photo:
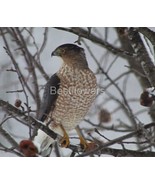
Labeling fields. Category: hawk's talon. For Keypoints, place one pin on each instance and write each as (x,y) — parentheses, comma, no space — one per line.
(88,146)
(84,144)
(64,141)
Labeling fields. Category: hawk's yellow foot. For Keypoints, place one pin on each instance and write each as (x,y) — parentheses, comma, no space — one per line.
(86,146)
(64,141)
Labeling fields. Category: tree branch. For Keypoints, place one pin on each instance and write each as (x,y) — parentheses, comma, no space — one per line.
(134,64)
(142,55)
(117,140)
(85,34)
(148,33)
(32,121)
(126,153)
(8,137)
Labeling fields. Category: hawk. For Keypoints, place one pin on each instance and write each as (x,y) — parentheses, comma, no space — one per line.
(67,97)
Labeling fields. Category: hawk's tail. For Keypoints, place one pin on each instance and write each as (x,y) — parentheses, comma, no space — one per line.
(43,142)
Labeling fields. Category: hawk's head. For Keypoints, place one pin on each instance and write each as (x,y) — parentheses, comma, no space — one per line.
(67,49)
(71,54)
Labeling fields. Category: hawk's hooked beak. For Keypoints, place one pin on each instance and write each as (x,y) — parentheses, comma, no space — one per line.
(56,53)
(53,53)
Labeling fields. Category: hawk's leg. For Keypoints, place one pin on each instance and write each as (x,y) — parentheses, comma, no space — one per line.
(84,144)
(64,141)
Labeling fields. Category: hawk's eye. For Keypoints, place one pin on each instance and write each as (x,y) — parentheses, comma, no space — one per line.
(63,51)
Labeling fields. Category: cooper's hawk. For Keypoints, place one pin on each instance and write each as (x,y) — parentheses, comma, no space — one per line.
(67,97)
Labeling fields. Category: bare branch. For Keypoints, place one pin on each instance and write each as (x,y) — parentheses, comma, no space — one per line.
(8,137)
(85,34)
(142,55)
(32,121)
(147,33)
(126,153)
(117,140)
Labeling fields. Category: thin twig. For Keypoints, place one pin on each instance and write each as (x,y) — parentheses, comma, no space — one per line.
(101,148)
(85,34)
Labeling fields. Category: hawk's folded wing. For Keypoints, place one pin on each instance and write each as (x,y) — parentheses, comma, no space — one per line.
(49,97)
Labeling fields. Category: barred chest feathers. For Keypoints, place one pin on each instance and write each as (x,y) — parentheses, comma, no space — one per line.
(76,93)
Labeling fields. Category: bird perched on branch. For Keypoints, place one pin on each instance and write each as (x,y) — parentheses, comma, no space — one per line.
(67,97)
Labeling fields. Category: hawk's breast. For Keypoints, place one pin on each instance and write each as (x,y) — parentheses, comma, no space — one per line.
(76,93)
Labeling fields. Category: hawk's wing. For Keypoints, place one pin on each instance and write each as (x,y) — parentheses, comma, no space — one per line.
(49,97)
